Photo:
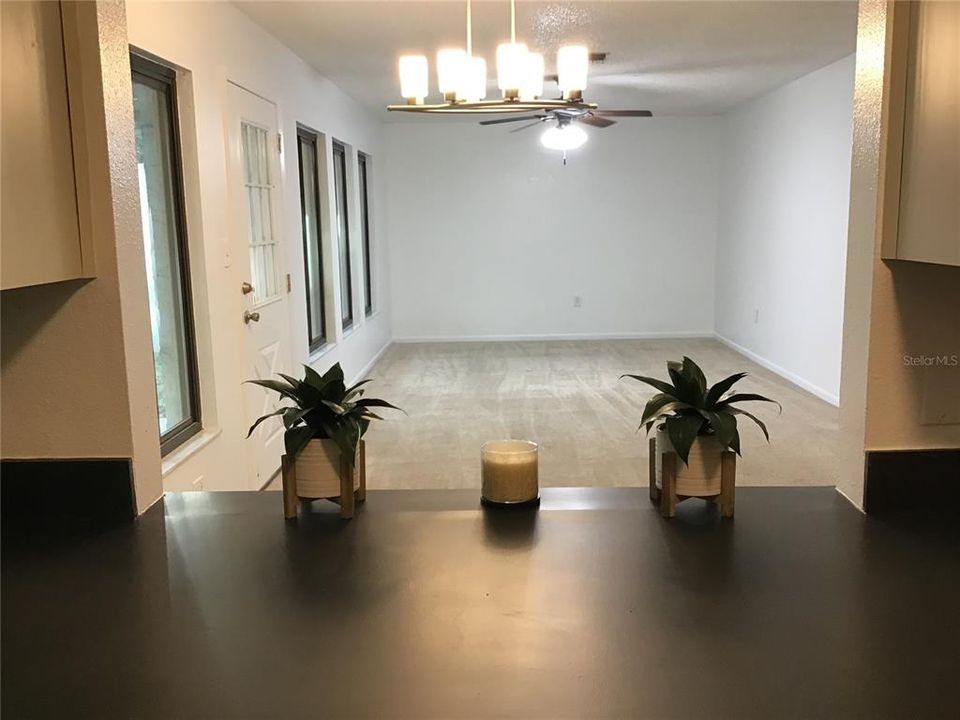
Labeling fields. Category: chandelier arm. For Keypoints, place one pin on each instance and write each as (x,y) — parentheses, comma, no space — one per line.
(493,106)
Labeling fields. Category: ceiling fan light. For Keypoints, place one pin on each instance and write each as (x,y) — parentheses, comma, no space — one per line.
(414,78)
(473,87)
(511,67)
(565,137)
(451,65)
(572,64)
(532,86)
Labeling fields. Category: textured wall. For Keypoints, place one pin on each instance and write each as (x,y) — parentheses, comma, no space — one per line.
(893,311)
(77,366)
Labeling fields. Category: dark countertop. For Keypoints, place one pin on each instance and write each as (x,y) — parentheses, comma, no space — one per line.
(210,605)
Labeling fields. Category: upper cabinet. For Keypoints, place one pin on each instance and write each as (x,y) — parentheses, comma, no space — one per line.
(922,184)
(41,240)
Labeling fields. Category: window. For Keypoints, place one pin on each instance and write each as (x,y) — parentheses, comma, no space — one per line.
(255,144)
(364,166)
(165,249)
(312,247)
(343,233)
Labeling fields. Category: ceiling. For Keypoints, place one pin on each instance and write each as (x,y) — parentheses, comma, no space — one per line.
(674,58)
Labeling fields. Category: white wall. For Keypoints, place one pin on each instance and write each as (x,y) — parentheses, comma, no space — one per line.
(784,200)
(491,236)
(214,43)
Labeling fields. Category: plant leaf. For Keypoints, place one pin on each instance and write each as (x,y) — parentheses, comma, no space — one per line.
(660,385)
(683,430)
(669,407)
(336,407)
(278,387)
(374,402)
(717,391)
(265,417)
(687,389)
(724,426)
(744,397)
(312,377)
(758,421)
(294,415)
(692,372)
(294,439)
(334,374)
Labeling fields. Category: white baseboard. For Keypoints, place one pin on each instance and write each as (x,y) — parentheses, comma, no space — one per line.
(548,337)
(829,397)
(369,366)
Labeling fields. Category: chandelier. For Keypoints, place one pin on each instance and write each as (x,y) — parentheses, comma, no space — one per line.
(462,78)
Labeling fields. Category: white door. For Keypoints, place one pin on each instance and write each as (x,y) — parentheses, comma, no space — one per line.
(256,271)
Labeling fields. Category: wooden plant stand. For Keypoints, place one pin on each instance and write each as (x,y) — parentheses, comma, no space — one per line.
(348,498)
(667,498)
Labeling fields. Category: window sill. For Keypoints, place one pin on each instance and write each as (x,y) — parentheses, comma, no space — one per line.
(190,448)
(349,331)
(373,315)
(320,352)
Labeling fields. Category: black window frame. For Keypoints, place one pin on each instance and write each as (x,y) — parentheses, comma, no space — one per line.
(363,173)
(312,137)
(164,78)
(343,243)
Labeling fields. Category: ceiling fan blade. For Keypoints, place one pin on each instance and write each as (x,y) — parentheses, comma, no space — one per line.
(528,125)
(596,121)
(498,121)
(623,113)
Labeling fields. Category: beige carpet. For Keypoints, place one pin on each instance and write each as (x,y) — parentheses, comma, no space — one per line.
(566,396)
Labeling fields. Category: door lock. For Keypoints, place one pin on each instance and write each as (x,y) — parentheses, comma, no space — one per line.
(246,288)
(249,317)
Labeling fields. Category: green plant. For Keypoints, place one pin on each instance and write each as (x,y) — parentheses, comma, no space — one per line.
(689,408)
(324,407)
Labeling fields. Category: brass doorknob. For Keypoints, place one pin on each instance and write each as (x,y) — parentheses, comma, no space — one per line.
(249,317)
(246,288)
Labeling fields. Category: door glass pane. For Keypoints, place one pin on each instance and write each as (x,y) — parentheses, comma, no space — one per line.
(259,189)
(313,263)
(343,233)
(162,229)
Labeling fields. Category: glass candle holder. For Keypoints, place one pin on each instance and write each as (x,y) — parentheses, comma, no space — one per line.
(509,473)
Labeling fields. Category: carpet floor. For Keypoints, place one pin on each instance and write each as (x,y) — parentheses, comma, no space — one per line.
(567,397)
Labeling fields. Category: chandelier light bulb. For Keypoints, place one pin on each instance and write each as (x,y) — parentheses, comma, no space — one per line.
(511,68)
(572,64)
(532,86)
(451,66)
(564,137)
(473,86)
(414,78)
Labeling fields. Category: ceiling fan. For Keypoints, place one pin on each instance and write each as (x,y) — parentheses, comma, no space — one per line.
(566,135)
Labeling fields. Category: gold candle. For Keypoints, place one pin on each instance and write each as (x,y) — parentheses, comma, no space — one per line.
(509,472)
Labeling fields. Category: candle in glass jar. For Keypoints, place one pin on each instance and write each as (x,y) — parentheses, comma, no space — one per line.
(509,471)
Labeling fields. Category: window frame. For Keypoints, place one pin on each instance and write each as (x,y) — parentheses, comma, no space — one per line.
(164,77)
(308,135)
(343,243)
(363,176)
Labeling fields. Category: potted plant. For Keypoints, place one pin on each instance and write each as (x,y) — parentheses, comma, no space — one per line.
(697,424)
(324,445)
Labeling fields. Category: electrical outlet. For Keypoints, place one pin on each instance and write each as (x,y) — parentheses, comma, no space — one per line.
(577,301)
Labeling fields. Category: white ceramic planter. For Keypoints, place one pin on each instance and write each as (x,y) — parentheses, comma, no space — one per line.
(700,477)
(318,470)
